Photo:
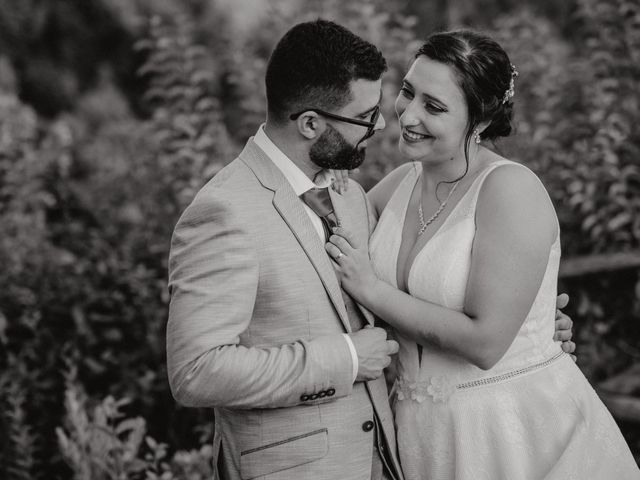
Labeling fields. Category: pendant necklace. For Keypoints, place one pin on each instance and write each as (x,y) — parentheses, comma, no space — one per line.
(422,224)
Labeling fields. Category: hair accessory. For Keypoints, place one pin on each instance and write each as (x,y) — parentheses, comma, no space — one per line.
(508,95)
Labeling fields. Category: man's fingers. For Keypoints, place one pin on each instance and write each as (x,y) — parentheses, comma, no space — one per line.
(392,347)
(563,322)
(562,300)
(568,347)
(562,335)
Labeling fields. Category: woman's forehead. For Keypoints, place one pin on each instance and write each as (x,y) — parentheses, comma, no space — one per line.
(434,78)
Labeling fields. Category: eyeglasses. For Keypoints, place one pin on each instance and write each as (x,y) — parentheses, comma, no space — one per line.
(371,124)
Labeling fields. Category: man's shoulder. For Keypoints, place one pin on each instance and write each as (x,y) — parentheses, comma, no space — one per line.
(227,191)
(234,174)
(233,181)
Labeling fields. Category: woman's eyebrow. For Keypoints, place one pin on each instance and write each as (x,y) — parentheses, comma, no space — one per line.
(426,96)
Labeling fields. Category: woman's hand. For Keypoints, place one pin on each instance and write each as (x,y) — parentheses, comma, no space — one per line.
(341,182)
(351,261)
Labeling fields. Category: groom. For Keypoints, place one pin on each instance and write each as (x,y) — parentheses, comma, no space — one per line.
(259,328)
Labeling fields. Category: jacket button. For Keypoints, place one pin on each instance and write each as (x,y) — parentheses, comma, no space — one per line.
(367,426)
(331,392)
(313,396)
(322,394)
(304,398)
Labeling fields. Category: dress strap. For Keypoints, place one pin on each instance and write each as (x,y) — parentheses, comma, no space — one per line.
(478,182)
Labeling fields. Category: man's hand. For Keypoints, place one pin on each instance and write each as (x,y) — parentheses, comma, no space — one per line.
(374,352)
(563,326)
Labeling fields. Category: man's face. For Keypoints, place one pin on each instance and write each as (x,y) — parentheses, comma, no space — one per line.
(332,150)
(340,146)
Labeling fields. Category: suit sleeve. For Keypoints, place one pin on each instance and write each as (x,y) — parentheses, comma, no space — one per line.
(213,282)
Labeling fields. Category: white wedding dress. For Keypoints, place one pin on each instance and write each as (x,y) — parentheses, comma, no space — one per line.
(532,416)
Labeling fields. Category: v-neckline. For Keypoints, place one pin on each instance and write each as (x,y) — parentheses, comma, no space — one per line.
(416,248)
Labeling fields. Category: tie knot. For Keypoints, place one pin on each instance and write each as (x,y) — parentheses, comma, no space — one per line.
(318,200)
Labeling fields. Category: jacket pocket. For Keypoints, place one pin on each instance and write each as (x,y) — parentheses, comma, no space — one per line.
(284,454)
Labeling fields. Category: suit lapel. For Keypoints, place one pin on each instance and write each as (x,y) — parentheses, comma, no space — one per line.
(290,207)
(360,229)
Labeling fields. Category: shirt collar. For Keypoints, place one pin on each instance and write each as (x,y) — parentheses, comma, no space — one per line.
(294,175)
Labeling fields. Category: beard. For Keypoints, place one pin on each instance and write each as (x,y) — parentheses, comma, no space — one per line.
(332,151)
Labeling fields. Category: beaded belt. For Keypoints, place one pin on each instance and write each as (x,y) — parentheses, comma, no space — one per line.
(440,388)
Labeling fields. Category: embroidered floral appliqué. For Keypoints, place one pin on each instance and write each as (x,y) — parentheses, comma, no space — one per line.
(438,388)
(441,388)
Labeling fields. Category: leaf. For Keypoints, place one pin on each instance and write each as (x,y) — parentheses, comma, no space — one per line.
(131,424)
(619,221)
(589,222)
(151,443)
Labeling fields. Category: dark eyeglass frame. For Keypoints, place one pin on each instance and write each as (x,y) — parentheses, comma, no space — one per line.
(363,123)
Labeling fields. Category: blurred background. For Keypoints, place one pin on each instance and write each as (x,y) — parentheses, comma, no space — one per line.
(114,112)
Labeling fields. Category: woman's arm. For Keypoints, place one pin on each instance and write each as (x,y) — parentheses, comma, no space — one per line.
(515,229)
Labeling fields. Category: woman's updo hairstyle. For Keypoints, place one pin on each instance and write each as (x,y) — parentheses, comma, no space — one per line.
(484,74)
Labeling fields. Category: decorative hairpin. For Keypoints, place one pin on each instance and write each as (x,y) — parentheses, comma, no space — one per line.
(508,95)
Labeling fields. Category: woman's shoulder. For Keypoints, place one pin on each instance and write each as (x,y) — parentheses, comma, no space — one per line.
(380,194)
(507,177)
(512,191)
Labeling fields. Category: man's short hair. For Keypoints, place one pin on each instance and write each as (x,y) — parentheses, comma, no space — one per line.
(313,65)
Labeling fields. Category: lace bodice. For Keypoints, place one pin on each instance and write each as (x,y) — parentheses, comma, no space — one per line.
(439,275)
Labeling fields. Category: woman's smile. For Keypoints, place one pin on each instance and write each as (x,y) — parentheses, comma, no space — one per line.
(411,136)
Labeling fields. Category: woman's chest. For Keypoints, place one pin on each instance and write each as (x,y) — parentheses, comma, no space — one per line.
(439,272)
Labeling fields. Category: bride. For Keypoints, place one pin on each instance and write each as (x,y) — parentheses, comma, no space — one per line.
(464,265)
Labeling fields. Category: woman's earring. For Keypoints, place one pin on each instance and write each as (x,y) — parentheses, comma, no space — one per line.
(476,136)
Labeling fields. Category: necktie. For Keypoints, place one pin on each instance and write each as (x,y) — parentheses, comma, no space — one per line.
(318,200)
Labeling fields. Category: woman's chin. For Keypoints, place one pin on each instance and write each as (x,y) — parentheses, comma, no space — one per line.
(411,151)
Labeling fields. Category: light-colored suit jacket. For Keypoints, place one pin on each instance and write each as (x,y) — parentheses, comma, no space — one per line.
(256,329)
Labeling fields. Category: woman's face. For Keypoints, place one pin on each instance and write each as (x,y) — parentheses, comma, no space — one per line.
(432,112)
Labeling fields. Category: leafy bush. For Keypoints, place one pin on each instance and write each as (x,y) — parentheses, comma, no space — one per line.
(102,444)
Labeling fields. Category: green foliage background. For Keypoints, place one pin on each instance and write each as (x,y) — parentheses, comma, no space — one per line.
(114,112)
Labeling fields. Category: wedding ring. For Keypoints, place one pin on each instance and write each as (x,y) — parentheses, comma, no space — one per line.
(340,255)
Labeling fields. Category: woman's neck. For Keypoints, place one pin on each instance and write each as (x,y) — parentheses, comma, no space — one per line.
(449,171)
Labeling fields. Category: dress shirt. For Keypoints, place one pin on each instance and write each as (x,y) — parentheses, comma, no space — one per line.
(301,183)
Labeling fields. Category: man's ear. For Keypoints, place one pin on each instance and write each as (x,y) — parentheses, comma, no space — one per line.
(310,125)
